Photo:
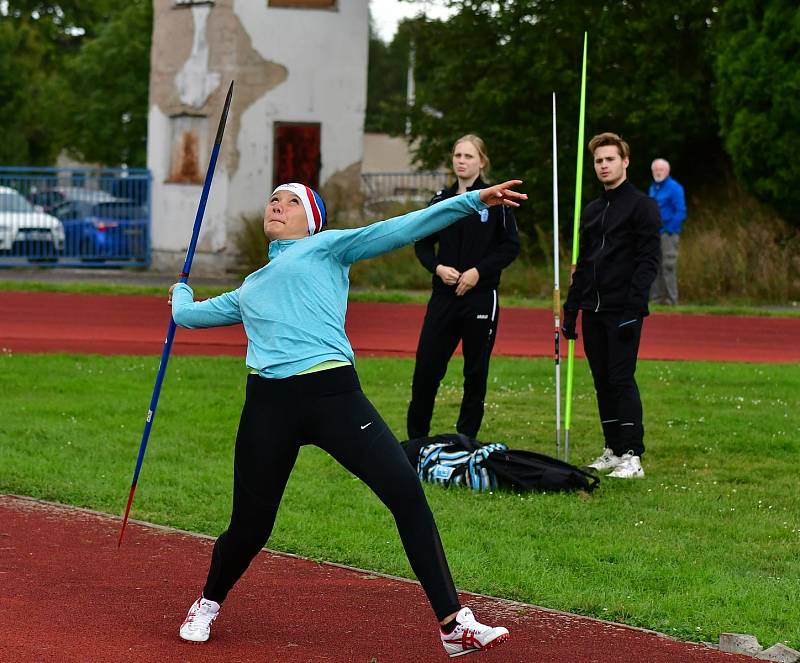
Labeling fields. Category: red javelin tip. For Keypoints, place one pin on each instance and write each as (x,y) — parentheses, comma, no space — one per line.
(125,517)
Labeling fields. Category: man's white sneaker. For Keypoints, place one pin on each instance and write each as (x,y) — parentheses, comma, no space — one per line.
(197,625)
(607,461)
(630,467)
(470,635)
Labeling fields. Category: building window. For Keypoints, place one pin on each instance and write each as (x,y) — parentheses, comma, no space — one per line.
(303,4)
(188,149)
(296,154)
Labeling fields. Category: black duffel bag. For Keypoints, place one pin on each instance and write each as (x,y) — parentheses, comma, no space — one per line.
(455,459)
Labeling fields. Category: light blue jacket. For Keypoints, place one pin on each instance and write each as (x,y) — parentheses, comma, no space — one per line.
(671,204)
(293,309)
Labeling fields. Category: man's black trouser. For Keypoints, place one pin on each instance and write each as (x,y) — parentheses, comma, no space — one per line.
(612,360)
(327,409)
(471,319)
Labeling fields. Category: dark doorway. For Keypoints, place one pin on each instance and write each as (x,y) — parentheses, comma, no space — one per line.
(296,154)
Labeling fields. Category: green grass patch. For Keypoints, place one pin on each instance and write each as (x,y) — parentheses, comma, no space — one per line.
(708,542)
(94,288)
(388,295)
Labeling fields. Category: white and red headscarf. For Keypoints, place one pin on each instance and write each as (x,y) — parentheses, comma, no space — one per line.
(312,203)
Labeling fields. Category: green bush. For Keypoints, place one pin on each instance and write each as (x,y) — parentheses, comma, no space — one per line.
(758,79)
(737,251)
(250,244)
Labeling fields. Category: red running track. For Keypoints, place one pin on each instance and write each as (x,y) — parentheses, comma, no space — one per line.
(107,324)
(69,595)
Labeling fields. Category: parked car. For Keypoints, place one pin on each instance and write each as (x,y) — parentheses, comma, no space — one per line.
(25,230)
(112,229)
(51,197)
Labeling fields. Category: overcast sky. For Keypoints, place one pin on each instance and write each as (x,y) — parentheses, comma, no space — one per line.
(388,13)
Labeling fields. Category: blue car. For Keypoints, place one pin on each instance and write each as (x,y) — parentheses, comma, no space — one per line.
(116,229)
(49,198)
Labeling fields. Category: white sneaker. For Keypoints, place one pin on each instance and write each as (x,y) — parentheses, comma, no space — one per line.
(470,635)
(197,625)
(630,467)
(607,461)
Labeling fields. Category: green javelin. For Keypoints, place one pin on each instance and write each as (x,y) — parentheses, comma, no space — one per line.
(575,243)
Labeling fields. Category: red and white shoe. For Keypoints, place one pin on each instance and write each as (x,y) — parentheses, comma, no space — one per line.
(197,625)
(470,635)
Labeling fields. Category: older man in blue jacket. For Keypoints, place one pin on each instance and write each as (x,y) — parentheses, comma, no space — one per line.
(672,206)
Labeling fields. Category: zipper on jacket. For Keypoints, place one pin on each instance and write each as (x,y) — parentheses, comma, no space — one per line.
(602,246)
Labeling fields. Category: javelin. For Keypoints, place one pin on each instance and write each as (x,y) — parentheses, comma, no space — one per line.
(184,276)
(575,243)
(556,292)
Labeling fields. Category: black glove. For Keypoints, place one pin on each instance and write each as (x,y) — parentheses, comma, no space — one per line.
(568,326)
(628,325)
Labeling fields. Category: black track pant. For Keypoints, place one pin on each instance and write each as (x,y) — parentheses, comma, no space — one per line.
(613,365)
(471,319)
(327,409)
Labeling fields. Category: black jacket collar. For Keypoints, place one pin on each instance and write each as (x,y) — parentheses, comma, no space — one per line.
(477,184)
(613,194)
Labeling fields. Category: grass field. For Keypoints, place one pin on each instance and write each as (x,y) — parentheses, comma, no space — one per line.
(708,542)
(791,309)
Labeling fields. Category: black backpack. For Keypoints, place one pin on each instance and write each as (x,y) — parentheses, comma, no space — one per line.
(459,460)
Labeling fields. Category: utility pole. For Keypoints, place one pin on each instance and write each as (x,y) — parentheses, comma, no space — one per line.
(410,94)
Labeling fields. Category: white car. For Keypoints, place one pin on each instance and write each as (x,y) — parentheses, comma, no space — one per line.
(26,230)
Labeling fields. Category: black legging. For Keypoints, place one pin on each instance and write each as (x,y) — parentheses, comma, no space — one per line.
(613,364)
(471,319)
(327,409)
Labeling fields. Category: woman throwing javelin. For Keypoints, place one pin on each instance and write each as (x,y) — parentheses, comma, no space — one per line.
(303,389)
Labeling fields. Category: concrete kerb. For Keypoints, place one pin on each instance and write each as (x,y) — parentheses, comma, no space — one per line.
(744,643)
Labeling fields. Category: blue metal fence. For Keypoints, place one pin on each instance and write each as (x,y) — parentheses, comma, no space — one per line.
(75,217)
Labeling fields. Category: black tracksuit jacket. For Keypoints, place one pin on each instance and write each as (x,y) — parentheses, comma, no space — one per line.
(619,253)
(488,241)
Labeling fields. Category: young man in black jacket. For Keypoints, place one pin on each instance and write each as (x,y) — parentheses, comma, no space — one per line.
(618,260)
(464,304)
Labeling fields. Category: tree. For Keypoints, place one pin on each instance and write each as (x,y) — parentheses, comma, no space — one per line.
(491,68)
(64,23)
(74,74)
(758,72)
(386,83)
(107,91)
(27,116)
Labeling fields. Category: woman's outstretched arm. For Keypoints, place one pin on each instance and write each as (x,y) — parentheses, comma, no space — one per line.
(378,238)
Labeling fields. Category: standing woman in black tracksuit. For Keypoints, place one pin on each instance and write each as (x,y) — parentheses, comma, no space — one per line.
(464,304)
(618,261)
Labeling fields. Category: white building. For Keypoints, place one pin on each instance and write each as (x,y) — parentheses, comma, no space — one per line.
(300,68)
